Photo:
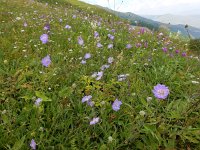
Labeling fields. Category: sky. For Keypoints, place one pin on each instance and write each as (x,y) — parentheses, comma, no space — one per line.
(152,7)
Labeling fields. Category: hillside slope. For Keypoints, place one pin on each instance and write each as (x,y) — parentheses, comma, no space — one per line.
(74,76)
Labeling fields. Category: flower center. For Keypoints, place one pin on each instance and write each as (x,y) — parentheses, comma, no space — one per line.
(161,92)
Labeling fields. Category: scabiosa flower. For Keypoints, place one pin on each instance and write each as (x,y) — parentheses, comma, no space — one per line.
(99,75)
(164,49)
(110,46)
(33,144)
(46,26)
(80,40)
(74,16)
(184,54)
(146,44)
(160,91)
(46,61)
(142,30)
(111,36)
(96,34)
(116,105)
(25,24)
(99,45)
(110,60)
(86,98)
(83,62)
(138,45)
(60,20)
(38,101)
(68,27)
(87,56)
(113,30)
(177,51)
(44,38)
(94,121)
(105,67)
(128,46)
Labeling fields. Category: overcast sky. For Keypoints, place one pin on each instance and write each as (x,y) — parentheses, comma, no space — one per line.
(152,7)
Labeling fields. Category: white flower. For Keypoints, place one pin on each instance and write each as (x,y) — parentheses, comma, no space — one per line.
(142,113)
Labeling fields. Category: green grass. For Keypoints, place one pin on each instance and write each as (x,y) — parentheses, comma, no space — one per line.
(62,121)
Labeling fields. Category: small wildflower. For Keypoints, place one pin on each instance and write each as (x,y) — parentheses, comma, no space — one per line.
(99,45)
(116,105)
(110,139)
(110,60)
(74,16)
(164,49)
(138,45)
(80,40)
(184,54)
(146,44)
(111,36)
(46,26)
(149,99)
(110,46)
(33,144)
(46,61)
(195,82)
(94,121)
(86,98)
(25,24)
(68,27)
(38,101)
(99,75)
(83,62)
(122,77)
(87,56)
(96,34)
(177,51)
(44,38)
(142,113)
(160,91)
(105,67)
(128,46)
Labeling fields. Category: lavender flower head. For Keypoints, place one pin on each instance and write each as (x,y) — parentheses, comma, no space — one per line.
(38,101)
(33,144)
(164,49)
(160,91)
(110,46)
(87,56)
(110,60)
(116,105)
(86,98)
(128,46)
(184,54)
(44,38)
(68,27)
(94,121)
(96,34)
(46,61)
(46,26)
(99,45)
(80,40)
(99,75)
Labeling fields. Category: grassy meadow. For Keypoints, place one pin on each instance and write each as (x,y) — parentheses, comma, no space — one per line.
(75,77)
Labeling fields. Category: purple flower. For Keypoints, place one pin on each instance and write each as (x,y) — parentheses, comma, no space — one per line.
(110,46)
(25,24)
(184,54)
(177,51)
(80,40)
(94,121)
(83,62)
(111,36)
(33,144)
(96,34)
(44,38)
(142,30)
(105,67)
(110,60)
(46,26)
(87,56)
(99,23)
(116,105)
(86,98)
(46,61)
(113,30)
(68,27)
(146,44)
(99,75)
(38,101)
(160,91)
(138,45)
(128,46)
(74,16)
(90,103)
(164,49)
(99,45)
(60,20)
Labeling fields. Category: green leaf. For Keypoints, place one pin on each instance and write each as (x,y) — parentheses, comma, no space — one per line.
(18,145)
(42,96)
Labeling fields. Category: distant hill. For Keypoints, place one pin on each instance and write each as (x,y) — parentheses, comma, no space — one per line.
(154,25)
(192,20)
